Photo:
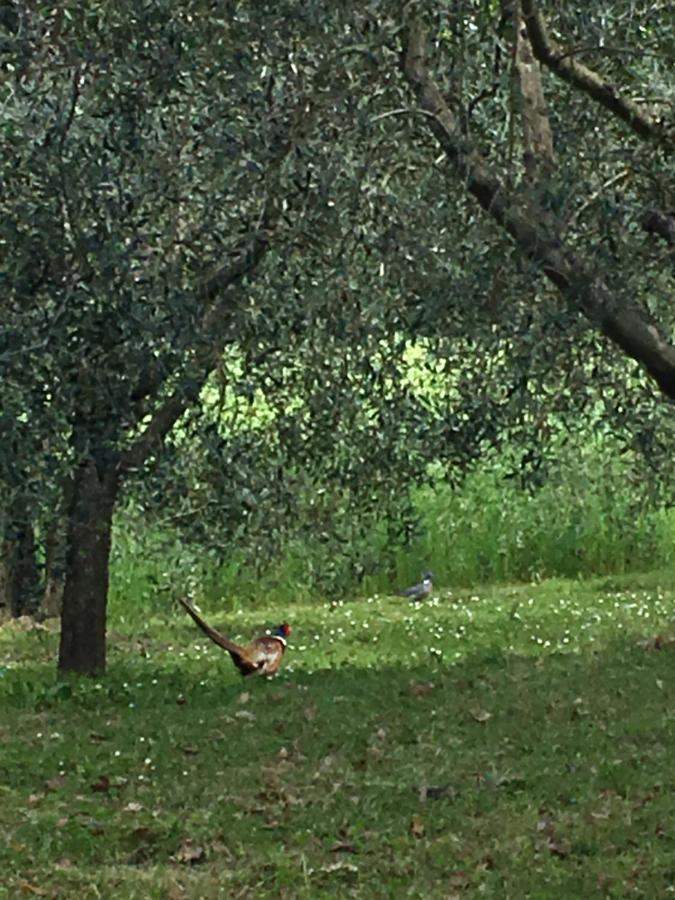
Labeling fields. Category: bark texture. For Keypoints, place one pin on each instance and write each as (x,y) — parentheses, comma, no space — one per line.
(82,648)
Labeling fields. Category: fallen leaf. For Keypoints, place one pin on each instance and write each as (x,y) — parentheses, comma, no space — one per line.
(556,849)
(431,792)
(118,781)
(600,815)
(27,888)
(102,786)
(309,713)
(132,806)
(480,715)
(189,853)
(421,689)
(417,827)
(190,751)
(96,738)
(341,867)
(343,847)
(545,825)
(244,697)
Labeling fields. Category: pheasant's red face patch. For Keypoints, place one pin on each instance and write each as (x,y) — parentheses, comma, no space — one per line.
(286,629)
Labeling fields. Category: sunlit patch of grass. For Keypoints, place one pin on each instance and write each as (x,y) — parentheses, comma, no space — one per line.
(503,742)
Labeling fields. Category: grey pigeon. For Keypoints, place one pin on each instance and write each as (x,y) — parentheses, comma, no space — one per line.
(419,591)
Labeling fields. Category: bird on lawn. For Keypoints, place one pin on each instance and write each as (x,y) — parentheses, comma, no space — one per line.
(261,657)
(419,591)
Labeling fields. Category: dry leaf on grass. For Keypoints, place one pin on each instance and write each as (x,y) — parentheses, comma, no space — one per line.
(27,888)
(417,827)
(435,792)
(421,689)
(343,847)
(102,786)
(342,868)
(132,806)
(189,853)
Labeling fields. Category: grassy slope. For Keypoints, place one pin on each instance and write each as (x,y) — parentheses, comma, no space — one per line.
(549,728)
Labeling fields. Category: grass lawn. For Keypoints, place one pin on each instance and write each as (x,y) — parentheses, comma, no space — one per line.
(508,742)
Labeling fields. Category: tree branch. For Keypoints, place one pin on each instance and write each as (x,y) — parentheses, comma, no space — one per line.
(588,81)
(536,232)
(218,284)
(157,429)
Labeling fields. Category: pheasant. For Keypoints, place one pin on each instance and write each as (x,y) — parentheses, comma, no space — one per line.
(261,657)
(419,591)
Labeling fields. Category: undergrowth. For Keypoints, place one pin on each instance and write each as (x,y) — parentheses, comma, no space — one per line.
(593,514)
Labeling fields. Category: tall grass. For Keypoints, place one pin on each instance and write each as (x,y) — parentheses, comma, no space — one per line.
(591,516)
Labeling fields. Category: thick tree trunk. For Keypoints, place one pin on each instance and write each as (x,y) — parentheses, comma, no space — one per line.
(83,616)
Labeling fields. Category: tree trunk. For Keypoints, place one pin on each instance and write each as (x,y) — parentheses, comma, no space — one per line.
(55,544)
(85,594)
(21,581)
(55,553)
(537,135)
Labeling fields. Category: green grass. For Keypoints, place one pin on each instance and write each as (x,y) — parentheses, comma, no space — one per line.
(545,724)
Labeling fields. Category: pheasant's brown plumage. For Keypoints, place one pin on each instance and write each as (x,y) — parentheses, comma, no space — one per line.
(261,657)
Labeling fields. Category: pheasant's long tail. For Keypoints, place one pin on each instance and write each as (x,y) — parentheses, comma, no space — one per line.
(215,636)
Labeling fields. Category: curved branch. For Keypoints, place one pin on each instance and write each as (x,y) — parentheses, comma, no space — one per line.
(536,232)
(216,288)
(588,81)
